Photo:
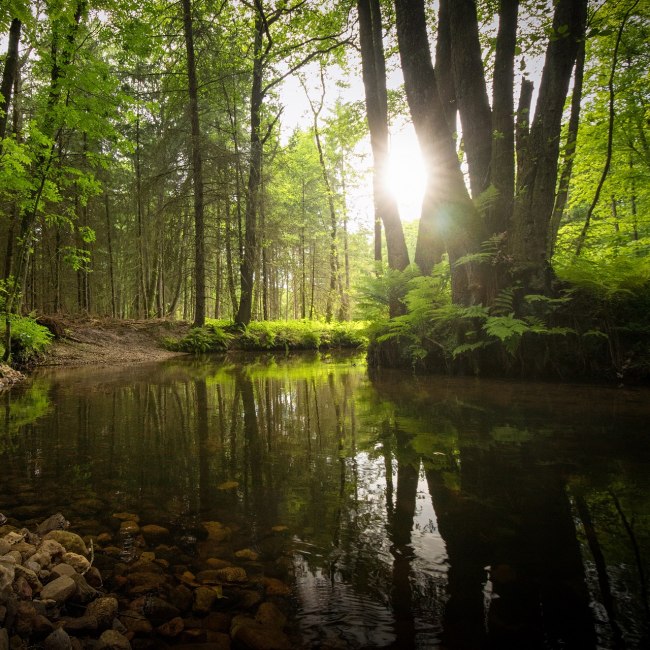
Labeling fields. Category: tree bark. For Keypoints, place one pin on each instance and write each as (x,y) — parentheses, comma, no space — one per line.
(9,75)
(443,67)
(374,81)
(197,170)
(448,215)
(536,188)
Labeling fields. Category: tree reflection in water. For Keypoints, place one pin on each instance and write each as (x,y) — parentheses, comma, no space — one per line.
(412,513)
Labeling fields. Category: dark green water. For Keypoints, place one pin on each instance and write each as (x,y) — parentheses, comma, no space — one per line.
(419,512)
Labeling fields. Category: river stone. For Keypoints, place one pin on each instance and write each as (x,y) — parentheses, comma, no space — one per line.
(204,598)
(4,639)
(158,611)
(59,590)
(104,610)
(7,571)
(135,622)
(15,555)
(142,583)
(171,629)
(253,636)
(154,534)
(104,538)
(217,563)
(5,547)
(126,516)
(222,644)
(217,532)
(275,587)
(247,554)
(62,569)
(30,576)
(70,541)
(78,562)
(24,620)
(129,527)
(217,622)
(80,624)
(181,597)
(55,522)
(232,574)
(22,589)
(58,640)
(85,593)
(268,614)
(112,640)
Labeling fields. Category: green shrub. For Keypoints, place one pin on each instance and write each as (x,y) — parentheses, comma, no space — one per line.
(29,340)
(210,338)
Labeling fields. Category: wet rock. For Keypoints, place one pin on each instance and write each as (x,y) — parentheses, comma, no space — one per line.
(78,562)
(42,625)
(247,554)
(70,541)
(222,644)
(55,522)
(7,572)
(275,587)
(112,640)
(181,597)
(246,598)
(129,527)
(104,538)
(58,640)
(63,569)
(4,639)
(217,563)
(232,574)
(254,636)
(126,516)
(29,576)
(5,547)
(94,577)
(154,534)
(204,598)
(80,624)
(24,620)
(135,622)
(142,583)
(270,615)
(104,610)
(217,532)
(217,622)
(59,590)
(158,611)
(22,589)
(85,593)
(172,628)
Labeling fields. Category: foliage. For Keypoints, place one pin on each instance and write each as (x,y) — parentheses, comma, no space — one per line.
(210,338)
(29,340)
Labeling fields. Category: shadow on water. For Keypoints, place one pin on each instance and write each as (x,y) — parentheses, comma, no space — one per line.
(408,512)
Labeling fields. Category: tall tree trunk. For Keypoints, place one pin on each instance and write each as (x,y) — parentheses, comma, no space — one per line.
(535,196)
(569,149)
(248,262)
(443,67)
(197,170)
(448,214)
(374,81)
(471,92)
(9,75)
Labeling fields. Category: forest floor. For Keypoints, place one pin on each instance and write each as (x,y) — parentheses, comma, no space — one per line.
(108,341)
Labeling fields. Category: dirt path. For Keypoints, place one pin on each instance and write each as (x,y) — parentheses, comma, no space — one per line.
(111,341)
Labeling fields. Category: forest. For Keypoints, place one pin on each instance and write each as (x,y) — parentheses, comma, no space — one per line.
(152,165)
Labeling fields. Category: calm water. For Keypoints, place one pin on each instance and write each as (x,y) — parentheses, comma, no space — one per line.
(419,512)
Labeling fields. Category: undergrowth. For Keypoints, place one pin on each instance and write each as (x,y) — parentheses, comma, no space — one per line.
(29,340)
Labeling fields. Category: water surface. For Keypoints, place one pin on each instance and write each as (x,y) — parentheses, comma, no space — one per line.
(407,512)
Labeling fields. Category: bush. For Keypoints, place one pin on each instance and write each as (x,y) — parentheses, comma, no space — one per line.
(210,338)
(29,340)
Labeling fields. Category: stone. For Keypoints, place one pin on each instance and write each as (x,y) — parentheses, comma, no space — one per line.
(70,541)
(80,624)
(25,549)
(13,538)
(217,622)
(126,516)
(55,522)
(59,590)
(63,570)
(94,577)
(129,527)
(275,587)
(30,576)
(135,622)
(158,611)
(204,598)
(51,547)
(42,625)
(247,554)
(154,534)
(58,640)
(4,639)
(85,593)
(217,563)
(217,532)
(7,572)
(232,574)
(142,583)
(172,628)
(5,547)
(78,562)
(24,620)
(222,644)
(112,640)
(22,588)
(181,597)
(268,614)
(104,609)
(104,538)
(254,636)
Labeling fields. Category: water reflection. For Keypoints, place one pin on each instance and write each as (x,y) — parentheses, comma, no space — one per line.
(412,513)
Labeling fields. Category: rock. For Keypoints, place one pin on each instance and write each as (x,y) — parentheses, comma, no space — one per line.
(63,570)
(268,614)
(51,547)
(94,577)
(172,628)
(5,547)
(217,563)
(78,562)
(142,583)
(129,527)
(80,624)
(22,588)
(70,541)
(135,622)
(4,639)
(7,572)
(154,534)
(217,622)
(25,549)
(247,554)
(104,538)
(55,522)
(30,576)
(126,516)
(42,625)
(222,644)
(253,636)
(181,597)
(24,621)
(217,532)
(158,611)
(104,610)
(112,640)
(58,640)
(204,598)
(13,538)
(232,574)
(59,590)
(85,593)
(275,587)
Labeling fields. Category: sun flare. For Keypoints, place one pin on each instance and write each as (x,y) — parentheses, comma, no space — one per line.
(406,175)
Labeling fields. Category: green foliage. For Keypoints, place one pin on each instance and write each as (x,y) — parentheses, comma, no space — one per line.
(29,340)
(211,338)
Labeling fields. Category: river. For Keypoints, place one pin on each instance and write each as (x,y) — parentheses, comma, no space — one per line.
(404,512)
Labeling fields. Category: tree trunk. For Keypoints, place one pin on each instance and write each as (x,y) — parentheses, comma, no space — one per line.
(197,170)
(448,215)
(9,75)
(536,187)
(248,262)
(374,81)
